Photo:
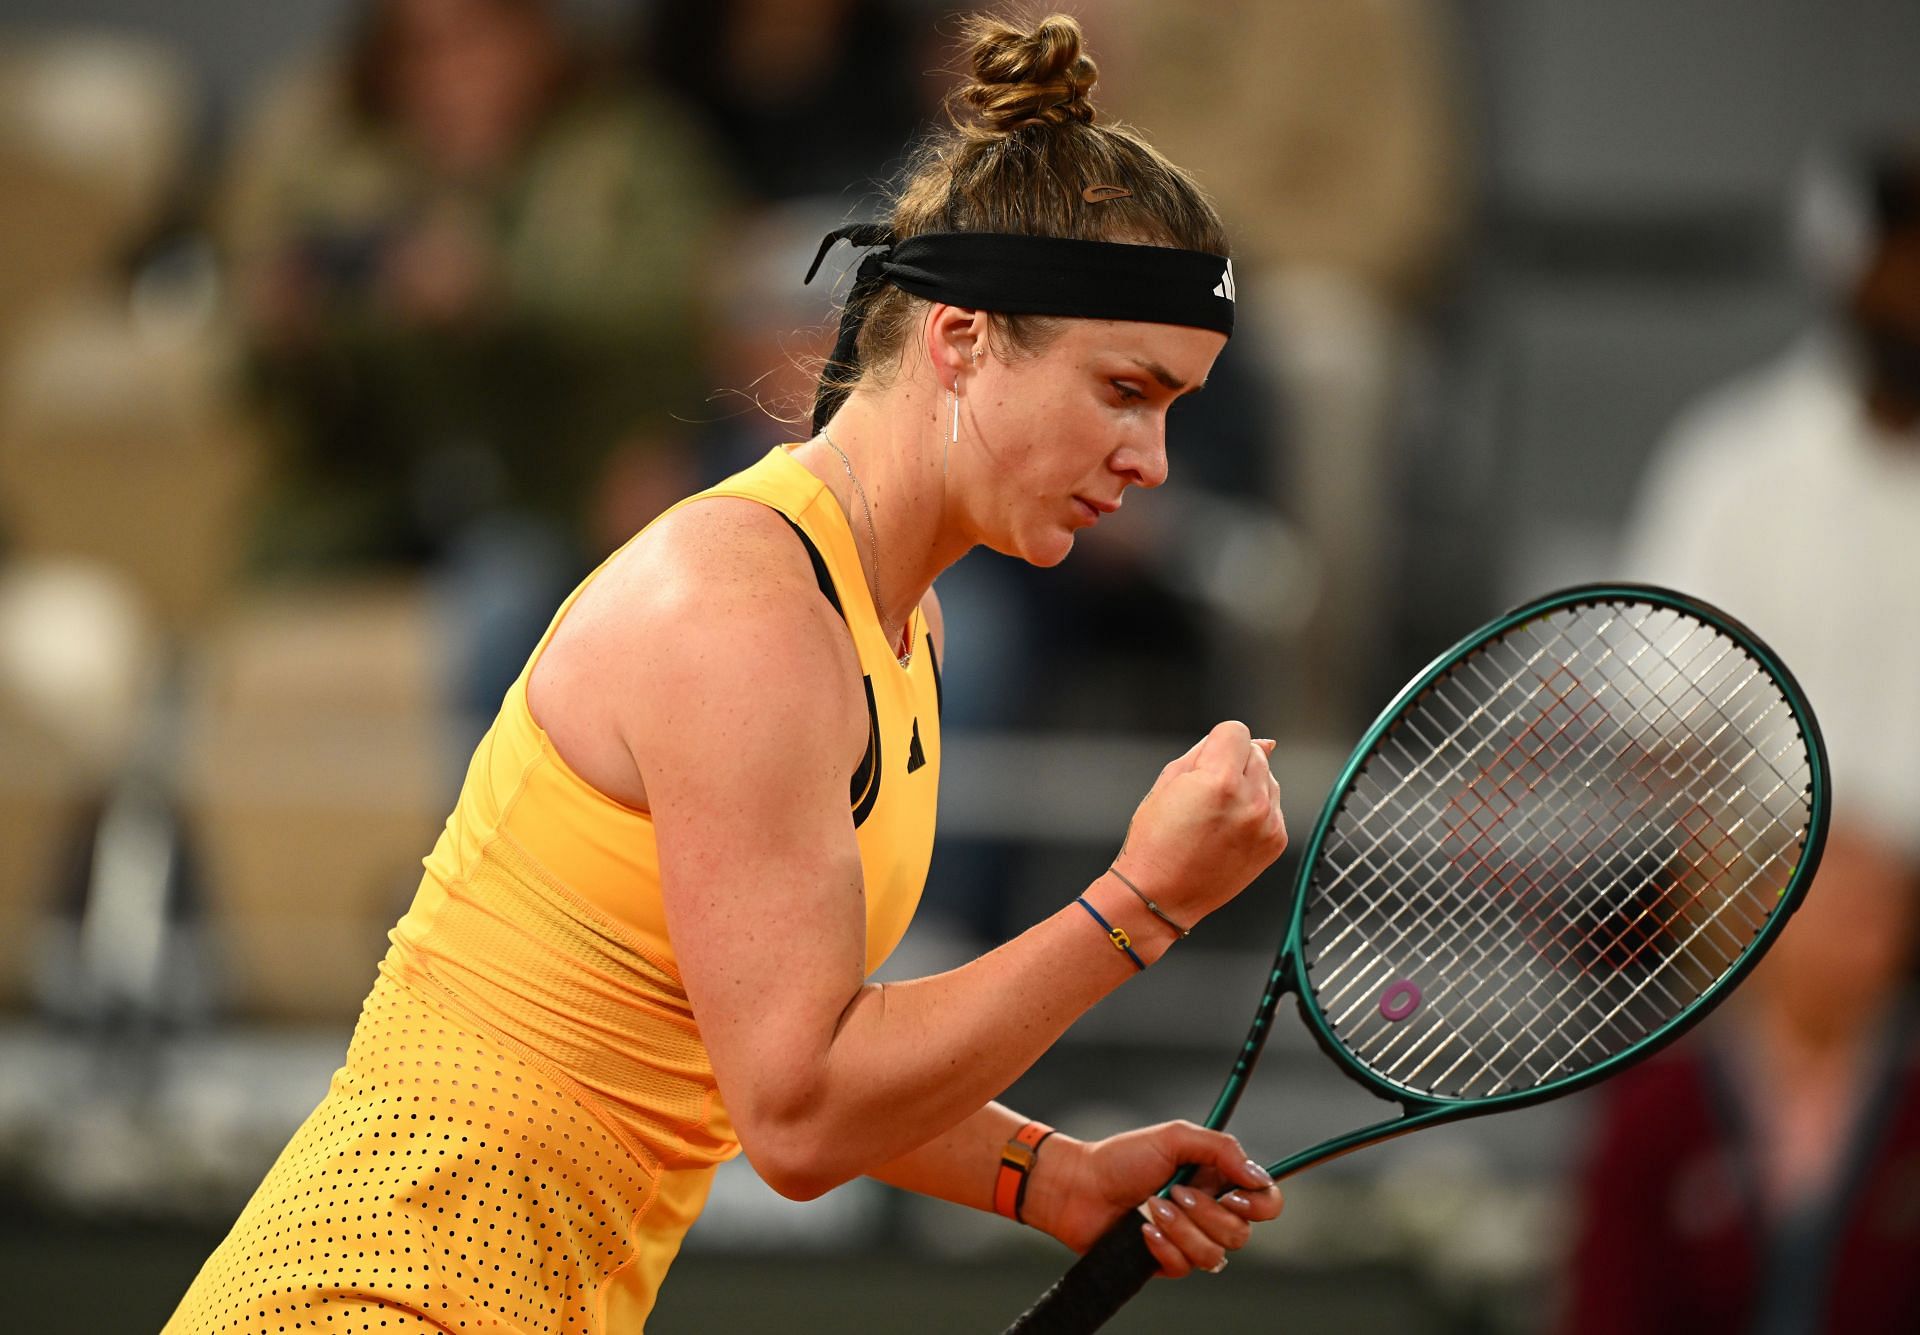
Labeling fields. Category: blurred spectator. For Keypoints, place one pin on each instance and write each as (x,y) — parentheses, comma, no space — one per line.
(1329,135)
(471,274)
(1768,1179)
(1791,497)
(806,95)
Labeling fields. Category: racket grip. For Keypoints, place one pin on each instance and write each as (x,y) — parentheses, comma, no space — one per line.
(1099,1284)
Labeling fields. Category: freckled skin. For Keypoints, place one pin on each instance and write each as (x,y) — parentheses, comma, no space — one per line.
(1085,417)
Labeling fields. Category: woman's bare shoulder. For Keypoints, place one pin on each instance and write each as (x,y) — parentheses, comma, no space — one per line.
(717,559)
(716,600)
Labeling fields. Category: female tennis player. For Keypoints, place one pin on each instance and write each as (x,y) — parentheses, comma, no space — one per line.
(704,813)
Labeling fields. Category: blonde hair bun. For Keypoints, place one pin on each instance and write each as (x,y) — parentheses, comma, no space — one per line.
(1024,75)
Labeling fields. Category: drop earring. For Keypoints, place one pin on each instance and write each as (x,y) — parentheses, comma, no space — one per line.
(953,426)
(953,431)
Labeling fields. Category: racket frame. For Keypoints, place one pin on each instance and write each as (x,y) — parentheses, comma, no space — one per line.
(1422,1110)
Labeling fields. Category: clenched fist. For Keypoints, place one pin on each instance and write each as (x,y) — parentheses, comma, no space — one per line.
(1210,825)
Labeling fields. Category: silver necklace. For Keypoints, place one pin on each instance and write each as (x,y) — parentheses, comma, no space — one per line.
(873,538)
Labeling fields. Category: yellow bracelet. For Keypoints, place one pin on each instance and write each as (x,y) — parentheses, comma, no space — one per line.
(1118,935)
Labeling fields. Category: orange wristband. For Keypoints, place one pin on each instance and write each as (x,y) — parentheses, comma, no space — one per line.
(1016,1164)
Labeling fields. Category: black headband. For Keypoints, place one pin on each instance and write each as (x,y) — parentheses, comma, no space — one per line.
(1028,275)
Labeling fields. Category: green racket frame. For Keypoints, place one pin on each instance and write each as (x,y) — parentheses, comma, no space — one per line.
(1422,1110)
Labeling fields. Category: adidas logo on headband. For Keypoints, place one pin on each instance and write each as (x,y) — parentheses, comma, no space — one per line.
(1225,287)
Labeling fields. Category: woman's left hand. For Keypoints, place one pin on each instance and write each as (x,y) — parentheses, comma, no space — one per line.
(1078,1189)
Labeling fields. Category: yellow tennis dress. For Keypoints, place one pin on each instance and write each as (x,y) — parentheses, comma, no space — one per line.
(527,1121)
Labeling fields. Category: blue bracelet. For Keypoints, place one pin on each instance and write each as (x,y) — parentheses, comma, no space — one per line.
(1118,935)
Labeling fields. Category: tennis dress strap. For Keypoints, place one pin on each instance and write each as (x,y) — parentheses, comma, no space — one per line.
(820,571)
(865,786)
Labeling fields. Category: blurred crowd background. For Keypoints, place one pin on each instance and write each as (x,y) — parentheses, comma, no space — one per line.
(339,338)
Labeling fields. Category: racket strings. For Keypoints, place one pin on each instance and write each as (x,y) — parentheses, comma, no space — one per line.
(1434,818)
(1617,818)
(1417,764)
(1434,748)
(1535,752)
(1528,1010)
(1566,1018)
(1473,964)
(1419,767)
(1563,844)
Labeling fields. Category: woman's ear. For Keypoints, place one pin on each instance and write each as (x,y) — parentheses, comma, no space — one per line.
(956,341)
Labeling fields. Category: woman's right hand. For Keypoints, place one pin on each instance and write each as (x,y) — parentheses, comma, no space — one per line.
(1211,823)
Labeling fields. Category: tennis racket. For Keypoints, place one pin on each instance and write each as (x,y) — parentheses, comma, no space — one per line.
(1561,845)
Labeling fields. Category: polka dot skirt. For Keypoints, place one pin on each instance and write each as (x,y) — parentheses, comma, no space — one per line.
(445,1183)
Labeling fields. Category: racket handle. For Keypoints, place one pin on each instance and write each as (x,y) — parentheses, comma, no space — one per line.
(1099,1284)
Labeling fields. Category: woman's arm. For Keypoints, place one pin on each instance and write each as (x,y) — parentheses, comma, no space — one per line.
(1076,1189)
(736,689)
